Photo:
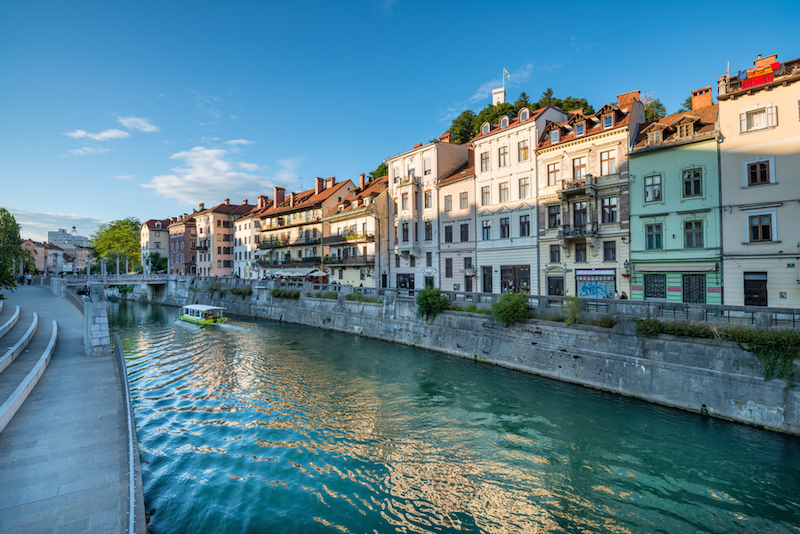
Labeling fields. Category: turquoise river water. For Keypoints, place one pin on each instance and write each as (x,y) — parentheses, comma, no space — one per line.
(264,427)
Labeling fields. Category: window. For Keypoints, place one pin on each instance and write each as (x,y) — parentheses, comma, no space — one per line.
(655,286)
(608,162)
(757,119)
(464,232)
(428,231)
(553,216)
(397,260)
(412,172)
(654,137)
(609,210)
(428,199)
(524,225)
(486,230)
(448,233)
(653,237)
(448,268)
(428,259)
(502,156)
(463,200)
(579,168)
(405,231)
(485,129)
(609,251)
(693,234)
(503,122)
(552,173)
(504,192)
(524,187)
(758,173)
(554,136)
(608,121)
(448,203)
(413,261)
(523,115)
(404,201)
(485,195)
(485,161)
(426,166)
(555,254)
(504,228)
(579,214)
(692,183)
(652,188)
(760,227)
(580,252)
(686,130)
(580,129)
(522,150)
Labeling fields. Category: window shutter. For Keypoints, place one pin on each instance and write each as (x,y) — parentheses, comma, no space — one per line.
(742,122)
(772,116)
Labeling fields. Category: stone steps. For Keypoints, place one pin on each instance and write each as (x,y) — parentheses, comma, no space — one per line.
(24,354)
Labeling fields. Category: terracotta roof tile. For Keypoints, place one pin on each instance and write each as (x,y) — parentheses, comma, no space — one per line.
(705,120)
(494,128)
(371,189)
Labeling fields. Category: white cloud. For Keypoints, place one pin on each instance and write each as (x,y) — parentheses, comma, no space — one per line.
(105,135)
(238,142)
(209,175)
(160,95)
(139,124)
(125,177)
(35,225)
(208,105)
(88,151)
(387,5)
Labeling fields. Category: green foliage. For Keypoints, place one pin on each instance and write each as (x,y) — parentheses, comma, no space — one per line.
(463,127)
(222,292)
(243,291)
(510,308)
(118,238)
(213,285)
(572,307)
(472,309)
(158,263)
(431,301)
(606,321)
(777,350)
(124,289)
(284,293)
(382,170)
(331,295)
(358,297)
(654,110)
(10,249)
(454,307)
(686,106)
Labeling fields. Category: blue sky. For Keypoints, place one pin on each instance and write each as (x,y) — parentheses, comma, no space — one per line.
(146,108)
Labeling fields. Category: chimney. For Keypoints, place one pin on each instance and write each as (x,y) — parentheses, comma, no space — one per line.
(626,99)
(445,137)
(262,201)
(278,193)
(227,202)
(330,182)
(194,211)
(701,98)
(292,196)
(202,207)
(765,62)
(361,181)
(470,154)
(418,145)
(244,202)
(319,185)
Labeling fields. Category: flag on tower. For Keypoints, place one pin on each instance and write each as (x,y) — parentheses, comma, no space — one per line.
(505,72)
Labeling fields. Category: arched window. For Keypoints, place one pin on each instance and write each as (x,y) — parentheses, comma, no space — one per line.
(219,263)
(503,122)
(485,128)
(524,114)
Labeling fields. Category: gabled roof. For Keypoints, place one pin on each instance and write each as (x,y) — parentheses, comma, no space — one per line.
(352,203)
(704,121)
(465,172)
(304,200)
(512,123)
(594,126)
(151,224)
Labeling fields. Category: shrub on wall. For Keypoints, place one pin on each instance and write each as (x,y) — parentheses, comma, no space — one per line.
(243,291)
(510,308)
(284,293)
(431,301)
(572,308)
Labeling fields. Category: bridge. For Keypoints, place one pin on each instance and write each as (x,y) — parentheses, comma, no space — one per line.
(114,279)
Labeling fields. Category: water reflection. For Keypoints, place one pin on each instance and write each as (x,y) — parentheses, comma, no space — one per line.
(266,427)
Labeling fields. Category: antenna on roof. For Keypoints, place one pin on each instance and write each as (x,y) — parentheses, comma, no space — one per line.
(646,98)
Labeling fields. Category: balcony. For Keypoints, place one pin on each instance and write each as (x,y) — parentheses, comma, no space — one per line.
(349,238)
(201,247)
(358,259)
(272,243)
(571,232)
(582,186)
(308,260)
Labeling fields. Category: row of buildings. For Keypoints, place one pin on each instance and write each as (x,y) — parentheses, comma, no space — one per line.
(696,207)
(51,258)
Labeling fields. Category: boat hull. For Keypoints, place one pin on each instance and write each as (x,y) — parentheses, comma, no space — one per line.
(197,320)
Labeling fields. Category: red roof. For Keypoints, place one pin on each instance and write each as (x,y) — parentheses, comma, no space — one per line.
(513,123)
(371,189)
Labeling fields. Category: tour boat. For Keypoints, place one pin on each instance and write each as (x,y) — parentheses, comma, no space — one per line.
(201,314)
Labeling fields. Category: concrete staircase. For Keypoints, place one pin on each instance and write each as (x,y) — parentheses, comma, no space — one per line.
(26,346)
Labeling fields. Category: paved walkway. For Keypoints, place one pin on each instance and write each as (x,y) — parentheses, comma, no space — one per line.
(63,457)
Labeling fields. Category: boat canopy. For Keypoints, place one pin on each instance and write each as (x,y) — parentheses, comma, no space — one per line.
(202,307)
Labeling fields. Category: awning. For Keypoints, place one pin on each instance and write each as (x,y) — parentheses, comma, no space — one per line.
(674,267)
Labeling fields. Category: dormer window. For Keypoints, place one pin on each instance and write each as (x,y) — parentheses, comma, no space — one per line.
(685,130)
(580,129)
(503,122)
(608,121)
(485,128)
(523,115)
(554,136)
(654,137)
(366,201)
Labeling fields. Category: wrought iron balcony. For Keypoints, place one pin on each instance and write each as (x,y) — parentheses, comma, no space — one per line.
(358,259)
(587,230)
(581,186)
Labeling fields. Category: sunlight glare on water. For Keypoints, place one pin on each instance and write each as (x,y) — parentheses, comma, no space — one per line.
(257,426)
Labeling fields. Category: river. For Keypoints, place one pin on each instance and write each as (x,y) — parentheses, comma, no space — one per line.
(258,426)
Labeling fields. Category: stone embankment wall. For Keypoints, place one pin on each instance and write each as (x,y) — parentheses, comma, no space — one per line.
(701,376)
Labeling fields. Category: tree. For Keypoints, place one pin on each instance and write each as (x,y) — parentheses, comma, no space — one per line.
(118,239)
(654,110)
(10,249)
(547,99)
(382,170)
(570,104)
(686,106)
(522,102)
(462,127)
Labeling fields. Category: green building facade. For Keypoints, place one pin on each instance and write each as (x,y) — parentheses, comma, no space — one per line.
(675,210)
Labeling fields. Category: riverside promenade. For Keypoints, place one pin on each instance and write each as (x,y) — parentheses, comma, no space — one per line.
(63,457)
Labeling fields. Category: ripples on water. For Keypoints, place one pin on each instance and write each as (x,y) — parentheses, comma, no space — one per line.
(257,426)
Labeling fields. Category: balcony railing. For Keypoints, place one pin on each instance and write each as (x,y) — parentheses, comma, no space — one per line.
(308,260)
(579,186)
(349,238)
(358,259)
(587,230)
(272,243)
